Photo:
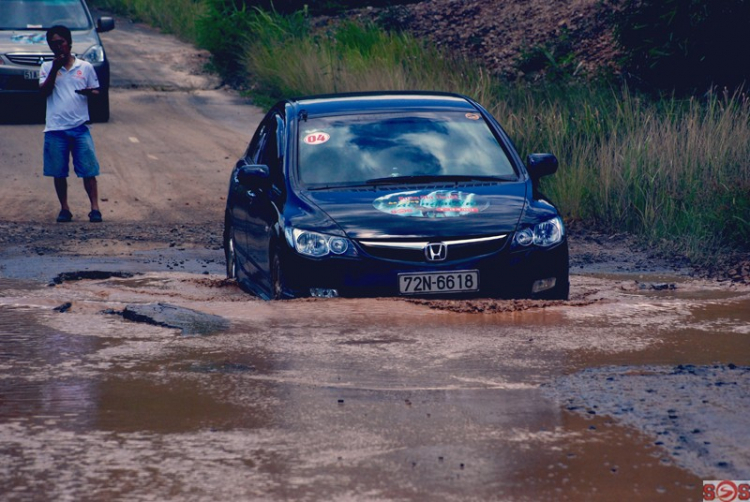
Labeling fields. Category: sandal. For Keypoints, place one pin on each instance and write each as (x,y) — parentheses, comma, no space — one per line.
(64,216)
(95,216)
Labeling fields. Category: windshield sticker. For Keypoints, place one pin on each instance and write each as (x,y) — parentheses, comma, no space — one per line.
(431,204)
(29,38)
(472,116)
(317,138)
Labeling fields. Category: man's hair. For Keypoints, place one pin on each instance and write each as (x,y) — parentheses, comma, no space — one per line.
(61,31)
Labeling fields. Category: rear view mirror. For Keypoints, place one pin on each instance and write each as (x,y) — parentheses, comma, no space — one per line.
(541,164)
(105,24)
(253,175)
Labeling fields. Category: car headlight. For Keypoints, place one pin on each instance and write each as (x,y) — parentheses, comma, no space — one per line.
(545,234)
(94,54)
(318,245)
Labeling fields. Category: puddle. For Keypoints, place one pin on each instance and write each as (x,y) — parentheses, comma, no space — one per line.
(24,338)
(169,407)
(18,263)
(359,399)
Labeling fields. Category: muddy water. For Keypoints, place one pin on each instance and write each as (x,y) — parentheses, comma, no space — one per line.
(597,399)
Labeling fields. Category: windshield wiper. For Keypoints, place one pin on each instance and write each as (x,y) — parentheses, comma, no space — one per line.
(431,178)
(334,186)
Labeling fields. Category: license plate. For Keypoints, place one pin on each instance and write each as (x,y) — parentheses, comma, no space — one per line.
(438,282)
(31,74)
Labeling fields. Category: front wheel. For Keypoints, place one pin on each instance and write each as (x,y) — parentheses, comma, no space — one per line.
(280,290)
(230,255)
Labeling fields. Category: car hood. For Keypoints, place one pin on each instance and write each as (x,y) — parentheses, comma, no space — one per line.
(35,41)
(419,211)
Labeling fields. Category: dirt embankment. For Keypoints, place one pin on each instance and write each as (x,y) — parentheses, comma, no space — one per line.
(500,35)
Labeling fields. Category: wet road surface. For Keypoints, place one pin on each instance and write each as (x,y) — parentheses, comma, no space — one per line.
(632,394)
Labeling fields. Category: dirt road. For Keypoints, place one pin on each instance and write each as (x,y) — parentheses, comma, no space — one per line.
(165,153)
(130,369)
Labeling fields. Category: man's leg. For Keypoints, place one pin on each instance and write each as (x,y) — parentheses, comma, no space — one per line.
(92,190)
(87,167)
(56,152)
(61,188)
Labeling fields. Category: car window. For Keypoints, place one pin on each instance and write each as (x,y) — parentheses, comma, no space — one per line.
(256,145)
(271,152)
(356,148)
(42,14)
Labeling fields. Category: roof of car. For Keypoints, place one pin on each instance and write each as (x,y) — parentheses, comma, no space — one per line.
(380,101)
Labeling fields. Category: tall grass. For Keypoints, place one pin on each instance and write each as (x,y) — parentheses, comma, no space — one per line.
(676,172)
(353,57)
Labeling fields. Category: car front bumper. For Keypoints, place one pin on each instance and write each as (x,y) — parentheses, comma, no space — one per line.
(503,274)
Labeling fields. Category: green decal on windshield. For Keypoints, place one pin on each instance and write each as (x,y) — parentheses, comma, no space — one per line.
(431,204)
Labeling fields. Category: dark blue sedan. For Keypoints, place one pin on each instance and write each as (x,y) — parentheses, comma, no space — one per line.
(391,194)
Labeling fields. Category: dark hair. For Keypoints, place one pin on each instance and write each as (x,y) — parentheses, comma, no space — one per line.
(61,31)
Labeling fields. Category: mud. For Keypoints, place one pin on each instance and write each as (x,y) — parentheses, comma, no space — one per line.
(377,399)
(697,415)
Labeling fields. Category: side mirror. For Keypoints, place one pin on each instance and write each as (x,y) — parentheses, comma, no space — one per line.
(252,176)
(541,164)
(105,24)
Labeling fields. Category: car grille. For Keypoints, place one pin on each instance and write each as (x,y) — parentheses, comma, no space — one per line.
(29,59)
(414,250)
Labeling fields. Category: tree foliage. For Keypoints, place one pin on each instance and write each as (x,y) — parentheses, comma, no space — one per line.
(685,45)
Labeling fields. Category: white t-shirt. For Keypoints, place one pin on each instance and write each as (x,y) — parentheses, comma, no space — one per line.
(65,108)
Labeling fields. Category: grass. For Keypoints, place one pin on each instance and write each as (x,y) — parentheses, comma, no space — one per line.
(676,172)
(178,17)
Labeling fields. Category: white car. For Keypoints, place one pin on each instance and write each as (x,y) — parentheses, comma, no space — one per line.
(23,49)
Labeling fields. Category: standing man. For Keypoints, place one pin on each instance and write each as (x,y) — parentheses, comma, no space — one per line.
(67,82)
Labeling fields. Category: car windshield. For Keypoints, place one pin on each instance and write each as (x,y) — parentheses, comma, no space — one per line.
(377,148)
(42,14)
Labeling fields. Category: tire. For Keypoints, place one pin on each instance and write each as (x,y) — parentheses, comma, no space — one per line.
(230,255)
(562,291)
(280,290)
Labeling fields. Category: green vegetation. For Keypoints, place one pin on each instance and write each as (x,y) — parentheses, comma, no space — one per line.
(674,171)
(684,45)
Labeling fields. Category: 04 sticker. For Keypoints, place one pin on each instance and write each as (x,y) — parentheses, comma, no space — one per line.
(316,138)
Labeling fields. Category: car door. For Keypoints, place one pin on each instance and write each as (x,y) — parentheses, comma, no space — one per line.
(262,212)
(241,201)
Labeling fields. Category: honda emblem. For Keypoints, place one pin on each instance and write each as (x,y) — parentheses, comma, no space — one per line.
(436,251)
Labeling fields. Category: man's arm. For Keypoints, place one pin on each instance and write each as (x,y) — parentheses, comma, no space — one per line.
(88,91)
(92,82)
(48,85)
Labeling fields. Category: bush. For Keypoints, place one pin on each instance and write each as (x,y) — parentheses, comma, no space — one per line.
(685,45)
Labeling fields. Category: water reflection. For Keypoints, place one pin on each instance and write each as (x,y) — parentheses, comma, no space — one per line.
(29,353)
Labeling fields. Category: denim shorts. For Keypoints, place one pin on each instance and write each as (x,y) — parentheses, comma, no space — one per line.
(58,147)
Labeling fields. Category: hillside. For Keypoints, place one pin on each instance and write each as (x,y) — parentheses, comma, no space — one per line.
(501,34)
